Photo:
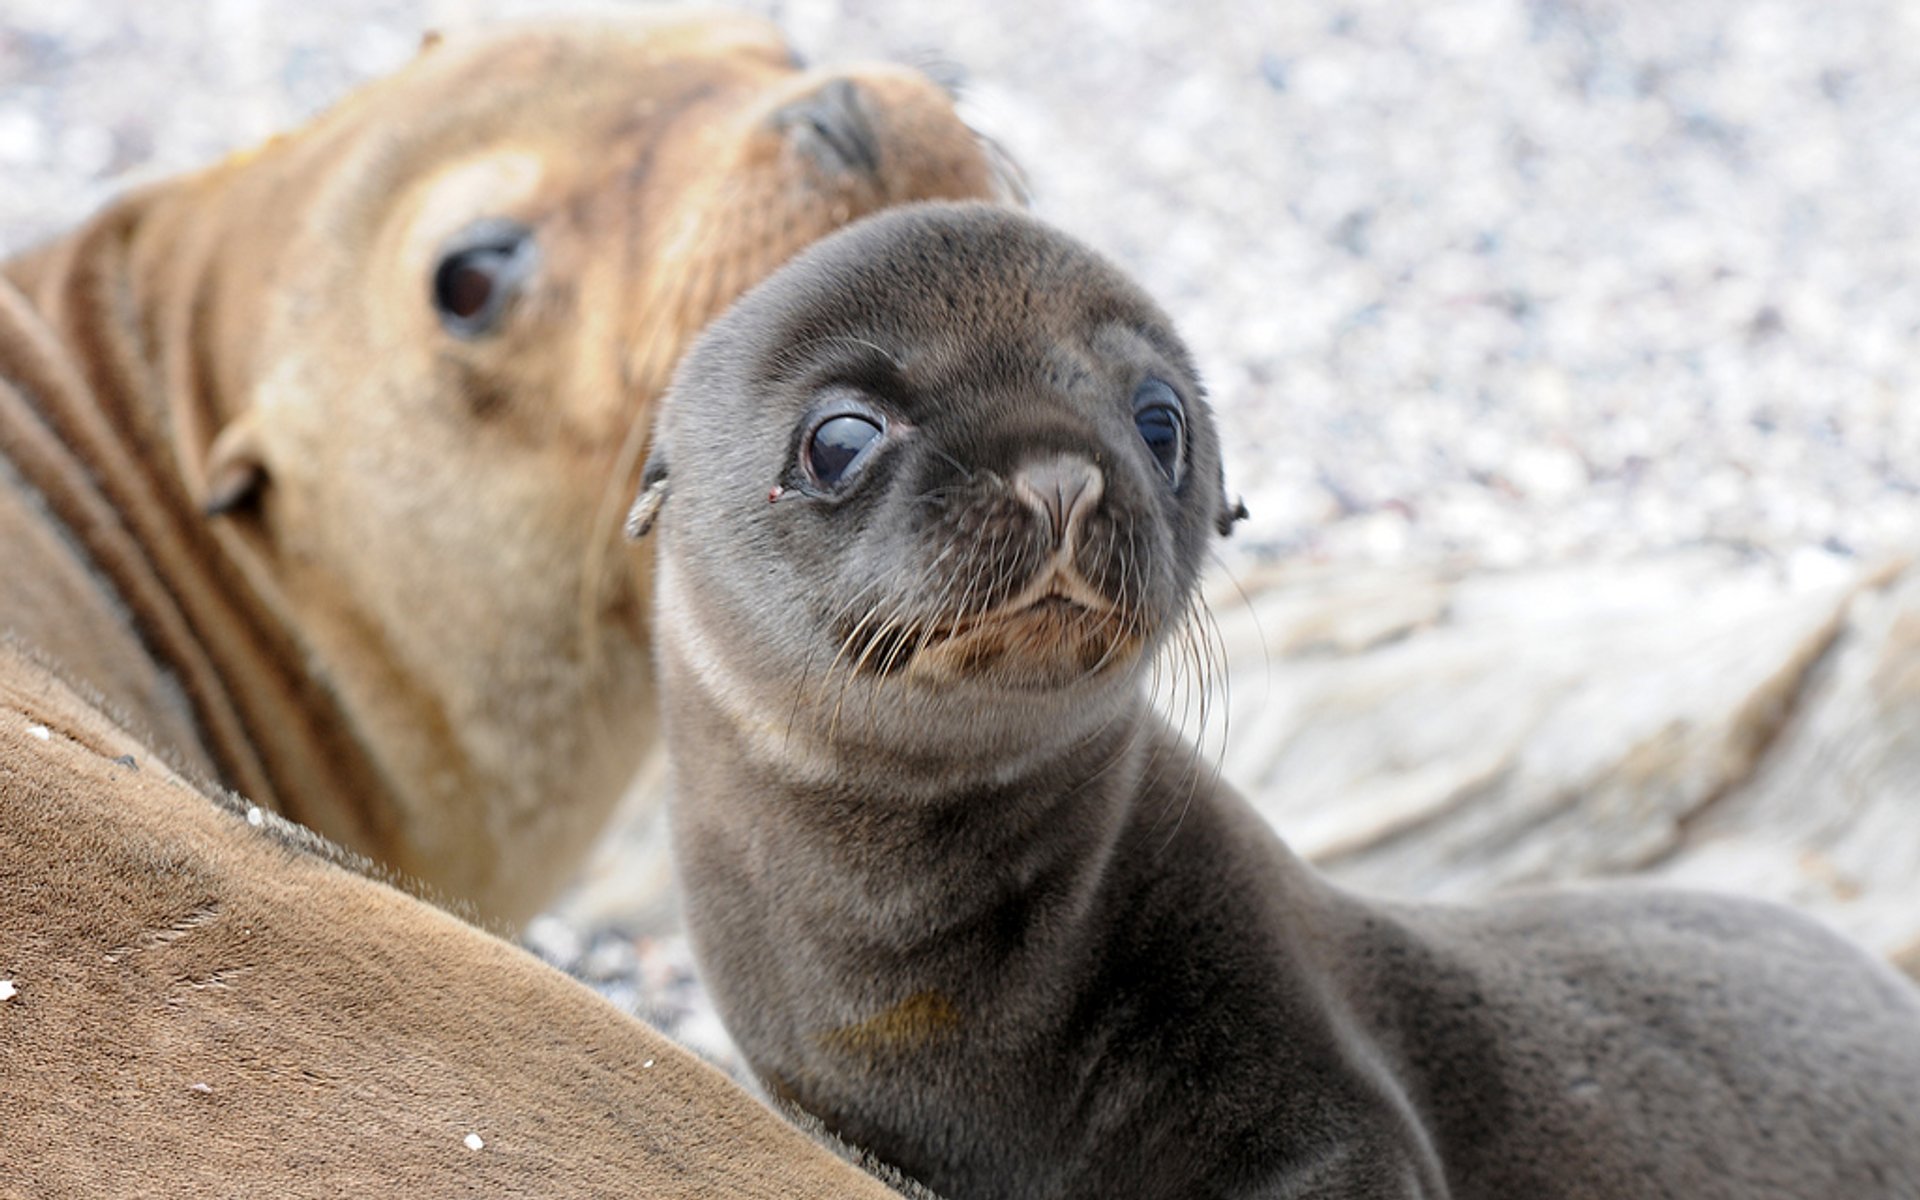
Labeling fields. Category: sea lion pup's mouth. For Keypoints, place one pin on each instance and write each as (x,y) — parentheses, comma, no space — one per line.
(1059,631)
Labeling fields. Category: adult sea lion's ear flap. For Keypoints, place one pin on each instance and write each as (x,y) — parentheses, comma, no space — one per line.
(1229,516)
(653,494)
(236,468)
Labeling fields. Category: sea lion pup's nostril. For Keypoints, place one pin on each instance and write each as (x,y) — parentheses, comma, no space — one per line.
(831,121)
(1063,489)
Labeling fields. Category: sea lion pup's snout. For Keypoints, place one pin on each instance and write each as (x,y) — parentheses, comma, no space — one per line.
(1063,489)
(974,449)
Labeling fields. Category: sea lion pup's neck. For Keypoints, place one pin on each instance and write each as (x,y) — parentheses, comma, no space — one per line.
(975,964)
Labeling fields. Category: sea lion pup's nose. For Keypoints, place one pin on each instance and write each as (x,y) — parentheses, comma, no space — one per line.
(1063,489)
(832,123)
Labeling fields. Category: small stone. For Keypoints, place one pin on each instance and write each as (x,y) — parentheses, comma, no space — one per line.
(202,1088)
(8,992)
(473,1142)
(41,732)
(647,1064)
(553,940)
(609,959)
(256,816)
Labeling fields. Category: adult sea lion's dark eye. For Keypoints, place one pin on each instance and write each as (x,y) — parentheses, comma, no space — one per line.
(1162,423)
(836,444)
(478,275)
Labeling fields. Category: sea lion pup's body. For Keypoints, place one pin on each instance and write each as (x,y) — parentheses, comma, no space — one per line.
(957,888)
(313,462)
(196,999)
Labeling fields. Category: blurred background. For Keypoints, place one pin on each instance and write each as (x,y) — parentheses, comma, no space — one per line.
(1508,281)
(1565,352)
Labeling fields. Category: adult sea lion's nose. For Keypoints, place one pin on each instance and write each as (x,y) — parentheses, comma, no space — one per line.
(1063,489)
(831,122)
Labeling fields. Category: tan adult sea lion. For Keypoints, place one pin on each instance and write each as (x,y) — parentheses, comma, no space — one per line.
(312,463)
(930,500)
(198,999)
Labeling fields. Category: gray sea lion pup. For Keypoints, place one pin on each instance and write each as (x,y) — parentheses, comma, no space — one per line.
(939,490)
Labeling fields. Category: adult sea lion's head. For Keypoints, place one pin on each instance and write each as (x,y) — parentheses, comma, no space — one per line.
(407,356)
(943,484)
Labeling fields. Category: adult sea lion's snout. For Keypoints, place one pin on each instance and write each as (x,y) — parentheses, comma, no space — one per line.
(831,123)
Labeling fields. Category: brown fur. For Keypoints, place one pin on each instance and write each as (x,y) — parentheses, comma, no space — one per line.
(200,1007)
(413,629)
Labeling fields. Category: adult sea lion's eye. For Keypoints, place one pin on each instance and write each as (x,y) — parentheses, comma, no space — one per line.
(478,275)
(836,444)
(1163,426)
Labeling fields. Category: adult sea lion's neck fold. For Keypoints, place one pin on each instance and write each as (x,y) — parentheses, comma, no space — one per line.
(139,299)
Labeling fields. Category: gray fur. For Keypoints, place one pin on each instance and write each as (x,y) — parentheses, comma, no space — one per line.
(996,925)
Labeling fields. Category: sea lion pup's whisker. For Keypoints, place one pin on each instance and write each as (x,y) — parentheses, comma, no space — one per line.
(1132,623)
(1203,701)
(842,650)
(1220,675)
(965,471)
(799,351)
(801,693)
(849,668)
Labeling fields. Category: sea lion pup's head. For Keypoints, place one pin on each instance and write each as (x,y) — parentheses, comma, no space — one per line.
(407,355)
(947,478)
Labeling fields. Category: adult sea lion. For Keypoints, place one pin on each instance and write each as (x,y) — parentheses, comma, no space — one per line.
(198,999)
(312,463)
(931,499)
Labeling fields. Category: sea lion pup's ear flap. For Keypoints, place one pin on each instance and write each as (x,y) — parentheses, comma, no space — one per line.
(236,468)
(653,495)
(1229,516)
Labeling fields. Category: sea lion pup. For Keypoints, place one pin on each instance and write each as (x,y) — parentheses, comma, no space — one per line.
(313,463)
(931,498)
(198,999)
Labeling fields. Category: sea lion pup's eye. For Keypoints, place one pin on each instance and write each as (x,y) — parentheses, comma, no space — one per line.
(838,446)
(479,273)
(1162,423)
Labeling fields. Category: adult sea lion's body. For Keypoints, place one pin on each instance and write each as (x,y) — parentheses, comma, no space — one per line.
(199,1000)
(934,495)
(312,463)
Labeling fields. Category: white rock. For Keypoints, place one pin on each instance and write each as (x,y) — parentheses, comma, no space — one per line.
(472,1141)
(7,990)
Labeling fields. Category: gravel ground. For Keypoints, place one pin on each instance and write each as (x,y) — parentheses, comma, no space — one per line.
(1508,281)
